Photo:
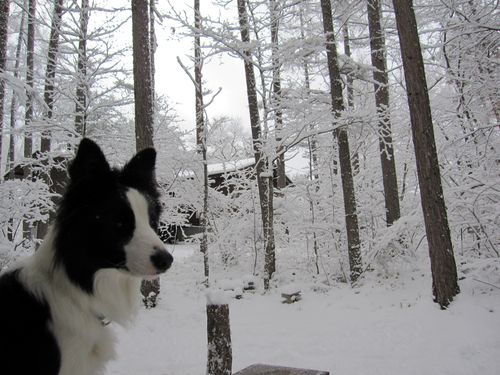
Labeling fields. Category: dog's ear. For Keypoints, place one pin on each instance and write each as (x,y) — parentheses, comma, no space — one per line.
(89,161)
(140,170)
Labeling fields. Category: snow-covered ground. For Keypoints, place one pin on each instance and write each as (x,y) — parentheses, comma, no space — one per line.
(376,328)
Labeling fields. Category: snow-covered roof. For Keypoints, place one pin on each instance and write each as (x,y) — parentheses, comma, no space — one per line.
(229,166)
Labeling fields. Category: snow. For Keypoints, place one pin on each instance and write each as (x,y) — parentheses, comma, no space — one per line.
(290,289)
(216,297)
(376,328)
(229,166)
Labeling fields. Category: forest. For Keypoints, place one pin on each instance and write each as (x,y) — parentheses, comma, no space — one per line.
(361,176)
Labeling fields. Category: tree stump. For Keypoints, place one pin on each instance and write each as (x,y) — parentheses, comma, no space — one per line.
(220,357)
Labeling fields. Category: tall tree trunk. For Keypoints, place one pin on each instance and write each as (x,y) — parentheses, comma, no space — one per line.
(152,46)
(381,85)
(30,66)
(13,102)
(276,94)
(443,267)
(50,73)
(351,216)
(4,24)
(201,135)
(263,170)
(144,106)
(82,85)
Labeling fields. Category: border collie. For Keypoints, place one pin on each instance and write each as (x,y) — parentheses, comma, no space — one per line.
(55,304)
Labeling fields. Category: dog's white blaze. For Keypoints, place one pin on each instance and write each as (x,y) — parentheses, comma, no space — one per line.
(145,242)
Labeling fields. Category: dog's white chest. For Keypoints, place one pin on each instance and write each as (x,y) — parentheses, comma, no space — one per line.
(85,349)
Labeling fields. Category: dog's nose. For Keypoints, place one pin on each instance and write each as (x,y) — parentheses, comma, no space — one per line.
(162,260)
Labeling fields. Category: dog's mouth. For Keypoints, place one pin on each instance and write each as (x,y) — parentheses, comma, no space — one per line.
(149,272)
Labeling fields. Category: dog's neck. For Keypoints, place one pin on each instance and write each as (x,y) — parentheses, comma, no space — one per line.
(115,295)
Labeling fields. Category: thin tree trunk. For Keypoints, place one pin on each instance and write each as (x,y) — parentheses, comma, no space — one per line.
(264,176)
(350,89)
(4,23)
(314,167)
(351,216)
(13,102)
(347,52)
(50,73)
(144,106)
(276,94)
(381,85)
(313,148)
(82,85)
(30,66)
(443,267)
(201,138)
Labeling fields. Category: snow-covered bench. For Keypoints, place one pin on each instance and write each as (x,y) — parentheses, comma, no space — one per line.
(278,370)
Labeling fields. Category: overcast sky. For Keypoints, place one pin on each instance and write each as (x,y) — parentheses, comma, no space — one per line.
(224,72)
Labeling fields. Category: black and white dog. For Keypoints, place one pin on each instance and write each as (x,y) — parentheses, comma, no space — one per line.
(89,268)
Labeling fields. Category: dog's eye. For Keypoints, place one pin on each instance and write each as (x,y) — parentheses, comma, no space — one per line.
(119,224)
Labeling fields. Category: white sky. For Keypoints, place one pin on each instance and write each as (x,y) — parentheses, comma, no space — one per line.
(224,72)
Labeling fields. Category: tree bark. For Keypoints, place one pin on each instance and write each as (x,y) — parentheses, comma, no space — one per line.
(381,85)
(82,86)
(276,94)
(201,138)
(50,72)
(443,267)
(152,46)
(350,88)
(220,358)
(30,66)
(13,102)
(264,176)
(144,107)
(4,24)
(351,216)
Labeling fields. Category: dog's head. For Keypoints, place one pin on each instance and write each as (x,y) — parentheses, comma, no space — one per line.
(108,218)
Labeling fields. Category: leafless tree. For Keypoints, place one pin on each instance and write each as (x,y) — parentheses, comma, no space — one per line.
(144,106)
(4,23)
(50,72)
(381,85)
(81,87)
(30,67)
(201,135)
(351,216)
(262,169)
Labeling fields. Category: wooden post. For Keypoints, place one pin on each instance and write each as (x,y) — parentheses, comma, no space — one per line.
(220,357)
